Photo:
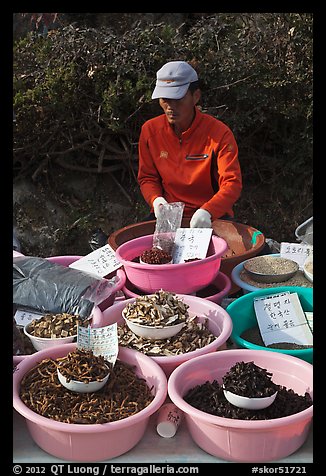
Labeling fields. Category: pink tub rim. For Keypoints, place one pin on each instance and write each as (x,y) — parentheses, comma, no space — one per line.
(53,425)
(250,425)
(221,279)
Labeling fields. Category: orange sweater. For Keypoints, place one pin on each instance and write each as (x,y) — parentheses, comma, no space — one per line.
(201,169)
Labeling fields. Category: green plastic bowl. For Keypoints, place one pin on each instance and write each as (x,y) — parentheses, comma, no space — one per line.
(243,317)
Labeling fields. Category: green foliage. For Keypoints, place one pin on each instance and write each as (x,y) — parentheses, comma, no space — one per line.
(82,84)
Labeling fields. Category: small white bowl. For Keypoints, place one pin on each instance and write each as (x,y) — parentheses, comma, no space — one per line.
(40,343)
(81,387)
(308,275)
(154,333)
(247,402)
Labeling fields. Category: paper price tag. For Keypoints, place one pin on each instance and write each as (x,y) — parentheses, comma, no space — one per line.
(99,263)
(102,341)
(190,243)
(297,252)
(281,318)
(24,317)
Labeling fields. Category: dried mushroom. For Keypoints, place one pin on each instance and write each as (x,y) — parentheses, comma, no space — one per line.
(194,335)
(158,310)
(52,326)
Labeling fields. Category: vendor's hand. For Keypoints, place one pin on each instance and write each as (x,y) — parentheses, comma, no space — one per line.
(157,205)
(201,219)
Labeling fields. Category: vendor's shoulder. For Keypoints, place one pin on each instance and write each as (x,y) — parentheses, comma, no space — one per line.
(213,120)
(215,125)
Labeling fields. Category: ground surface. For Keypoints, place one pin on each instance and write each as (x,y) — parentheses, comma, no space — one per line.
(59,213)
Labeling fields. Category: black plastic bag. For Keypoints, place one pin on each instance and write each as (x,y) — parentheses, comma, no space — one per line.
(52,288)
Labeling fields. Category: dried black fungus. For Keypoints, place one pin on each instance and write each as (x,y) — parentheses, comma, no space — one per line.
(209,398)
(248,380)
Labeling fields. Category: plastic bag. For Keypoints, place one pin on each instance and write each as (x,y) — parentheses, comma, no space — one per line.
(305,232)
(167,223)
(52,288)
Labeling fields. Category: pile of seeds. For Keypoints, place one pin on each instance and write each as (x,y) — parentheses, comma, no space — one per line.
(52,326)
(270,265)
(158,310)
(155,256)
(209,398)
(253,335)
(298,279)
(194,335)
(83,366)
(248,380)
(122,396)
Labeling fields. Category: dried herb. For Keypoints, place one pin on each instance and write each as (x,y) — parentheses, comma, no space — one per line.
(158,310)
(54,325)
(194,335)
(123,395)
(83,366)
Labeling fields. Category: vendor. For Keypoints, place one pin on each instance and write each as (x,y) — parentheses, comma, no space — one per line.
(185,155)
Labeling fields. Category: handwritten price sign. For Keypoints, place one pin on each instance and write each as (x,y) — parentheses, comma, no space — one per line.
(99,263)
(101,340)
(190,243)
(297,252)
(281,318)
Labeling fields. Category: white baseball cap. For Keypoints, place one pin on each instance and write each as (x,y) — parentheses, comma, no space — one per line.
(173,80)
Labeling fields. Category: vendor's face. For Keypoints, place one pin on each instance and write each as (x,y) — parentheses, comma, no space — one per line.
(180,112)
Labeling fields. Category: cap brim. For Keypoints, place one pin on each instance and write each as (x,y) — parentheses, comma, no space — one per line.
(170,92)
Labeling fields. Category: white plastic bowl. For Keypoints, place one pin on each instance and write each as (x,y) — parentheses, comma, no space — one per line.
(81,387)
(307,273)
(250,403)
(151,332)
(40,343)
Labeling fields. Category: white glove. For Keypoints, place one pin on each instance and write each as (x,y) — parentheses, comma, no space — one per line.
(157,205)
(201,219)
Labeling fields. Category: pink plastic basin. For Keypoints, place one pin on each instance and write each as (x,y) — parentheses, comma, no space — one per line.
(215,292)
(67,260)
(183,278)
(244,440)
(219,323)
(77,442)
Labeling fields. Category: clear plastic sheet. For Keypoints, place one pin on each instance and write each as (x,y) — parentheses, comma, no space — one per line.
(167,223)
(52,288)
